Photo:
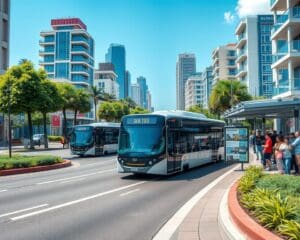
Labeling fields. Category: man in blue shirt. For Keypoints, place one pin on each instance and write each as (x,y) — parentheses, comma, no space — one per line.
(296,146)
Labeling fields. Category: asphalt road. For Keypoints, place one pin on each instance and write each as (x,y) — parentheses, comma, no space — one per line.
(90,200)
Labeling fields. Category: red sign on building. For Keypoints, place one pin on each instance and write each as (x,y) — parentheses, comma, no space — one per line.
(55,121)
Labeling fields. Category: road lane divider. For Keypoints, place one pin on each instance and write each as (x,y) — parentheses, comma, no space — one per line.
(80,200)
(23,210)
(169,228)
(129,192)
(79,176)
(3,190)
(72,180)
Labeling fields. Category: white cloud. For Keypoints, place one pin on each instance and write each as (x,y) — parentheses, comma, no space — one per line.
(229,17)
(252,7)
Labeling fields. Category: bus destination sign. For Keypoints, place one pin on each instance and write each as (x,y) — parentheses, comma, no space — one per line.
(141,120)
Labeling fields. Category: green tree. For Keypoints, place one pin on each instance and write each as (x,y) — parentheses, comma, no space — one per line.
(81,103)
(129,102)
(106,111)
(138,110)
(98,95)
(200,109)
(50,101)
(20,86)
(221,98)
(67,92)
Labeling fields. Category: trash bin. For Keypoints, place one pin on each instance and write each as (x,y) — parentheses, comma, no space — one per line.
(26,143)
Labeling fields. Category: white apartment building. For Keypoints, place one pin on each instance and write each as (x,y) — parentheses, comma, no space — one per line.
(224,65)
(4,34)
(286,48)
(194,91)
(254,54)
(106,80)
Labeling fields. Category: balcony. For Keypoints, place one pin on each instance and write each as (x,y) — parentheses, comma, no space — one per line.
(282,56)
(286,90)
(242,39)
(46,52)
(242,55)
(46,42)
(241,72)
(282,20)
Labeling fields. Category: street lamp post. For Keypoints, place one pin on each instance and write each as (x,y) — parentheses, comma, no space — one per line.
(9,123)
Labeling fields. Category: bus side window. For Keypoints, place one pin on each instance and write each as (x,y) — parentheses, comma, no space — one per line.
(115,136)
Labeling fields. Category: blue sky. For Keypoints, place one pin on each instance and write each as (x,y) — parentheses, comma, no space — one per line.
(154,32)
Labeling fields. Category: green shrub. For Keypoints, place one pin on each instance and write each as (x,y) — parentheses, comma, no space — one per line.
(248,181)
(291,229)
(53,138)
(272,210)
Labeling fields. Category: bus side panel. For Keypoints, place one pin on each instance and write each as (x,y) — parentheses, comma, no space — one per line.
(196,159)
(90,152)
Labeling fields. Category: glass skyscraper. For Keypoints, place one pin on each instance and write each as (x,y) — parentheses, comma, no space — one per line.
(68,52)
(142,83)
(116,55)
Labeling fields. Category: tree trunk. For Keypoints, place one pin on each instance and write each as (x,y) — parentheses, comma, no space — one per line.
(30,130)
(75,116)
(65,124)
(45,129)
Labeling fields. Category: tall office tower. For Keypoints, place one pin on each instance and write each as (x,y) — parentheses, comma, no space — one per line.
(68,52)
(254,54)
(208,81)
(224,66)
(141,81)
(127,83)
(135,93)
(194,91)
(116,55)
(4,35)
(286,48)
(185,67)
(106,79)
(149,101)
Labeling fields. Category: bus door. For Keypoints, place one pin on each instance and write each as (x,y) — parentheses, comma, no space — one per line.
(99,141)
(214,142)
(174,152)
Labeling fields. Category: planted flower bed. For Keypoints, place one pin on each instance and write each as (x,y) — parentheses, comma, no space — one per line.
(272,200)
(20,161)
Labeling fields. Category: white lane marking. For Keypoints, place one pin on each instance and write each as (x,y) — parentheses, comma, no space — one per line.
(75,201)
(99,163)
(173,223)
(23,210)
(129,192)
(79,176)
(73,180)
(4,190)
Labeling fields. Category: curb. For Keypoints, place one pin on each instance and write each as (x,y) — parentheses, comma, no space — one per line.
(66,163)
(244,222)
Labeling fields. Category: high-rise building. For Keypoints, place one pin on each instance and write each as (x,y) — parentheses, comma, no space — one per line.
(224,66)
(127,83)
(254,54)
(116,55)
(136,93)
(141,81)
(208,81)
(106,79)
(286,48)
(149,101)
(4,34)
(68,52)
(194,91)
(185,67)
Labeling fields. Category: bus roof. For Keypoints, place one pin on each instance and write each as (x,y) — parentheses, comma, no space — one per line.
(183,115)
(102,124)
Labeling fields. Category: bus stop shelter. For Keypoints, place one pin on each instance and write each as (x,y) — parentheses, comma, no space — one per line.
(284,111)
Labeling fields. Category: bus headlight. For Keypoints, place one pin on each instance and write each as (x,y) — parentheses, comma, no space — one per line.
(150,163)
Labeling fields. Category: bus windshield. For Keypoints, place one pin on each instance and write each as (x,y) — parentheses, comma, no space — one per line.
(142,139)
(82,135)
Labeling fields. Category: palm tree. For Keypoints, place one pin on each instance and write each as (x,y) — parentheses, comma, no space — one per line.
(227,93)
(97,94)
(80,103)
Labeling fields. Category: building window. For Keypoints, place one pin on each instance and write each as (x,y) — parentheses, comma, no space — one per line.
(62,70)
(62,45)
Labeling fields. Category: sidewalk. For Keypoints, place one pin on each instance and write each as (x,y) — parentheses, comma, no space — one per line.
(206,219)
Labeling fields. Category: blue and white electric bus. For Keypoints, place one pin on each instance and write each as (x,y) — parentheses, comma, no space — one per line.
(94,139)
(168,142)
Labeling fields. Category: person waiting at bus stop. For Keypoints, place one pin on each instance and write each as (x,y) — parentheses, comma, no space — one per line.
(296,146)
(258,144)
(268,150)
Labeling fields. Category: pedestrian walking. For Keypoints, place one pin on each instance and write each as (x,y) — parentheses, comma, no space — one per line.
(268,150)
(278,155)
(296,146)
(259,140)
(285,148)
(294,165)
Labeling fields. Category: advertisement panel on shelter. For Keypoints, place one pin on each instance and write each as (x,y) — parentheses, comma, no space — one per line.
(237,144)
